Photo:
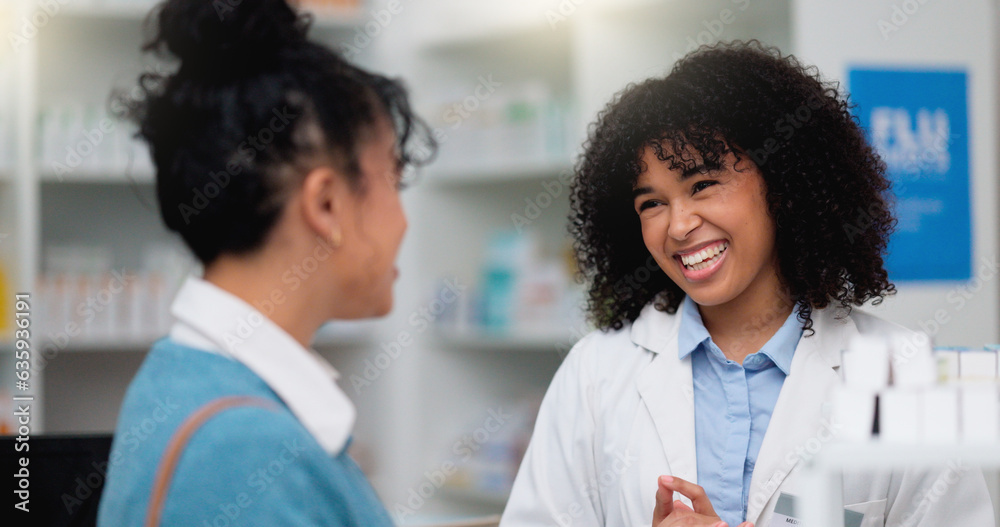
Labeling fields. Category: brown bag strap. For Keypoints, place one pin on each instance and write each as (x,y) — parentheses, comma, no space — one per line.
(172,455)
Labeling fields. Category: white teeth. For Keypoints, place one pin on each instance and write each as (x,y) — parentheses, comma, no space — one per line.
(703,258)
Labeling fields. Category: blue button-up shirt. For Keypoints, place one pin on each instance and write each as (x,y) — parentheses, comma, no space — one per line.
(732,407)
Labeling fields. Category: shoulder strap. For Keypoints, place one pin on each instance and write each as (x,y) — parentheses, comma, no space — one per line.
(172,454)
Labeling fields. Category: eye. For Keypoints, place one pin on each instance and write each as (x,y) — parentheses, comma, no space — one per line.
(650,203)
(702,185)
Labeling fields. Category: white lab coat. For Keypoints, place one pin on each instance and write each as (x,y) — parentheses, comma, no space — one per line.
(620,412)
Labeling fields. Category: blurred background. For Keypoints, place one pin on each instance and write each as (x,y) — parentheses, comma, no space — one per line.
(447,386)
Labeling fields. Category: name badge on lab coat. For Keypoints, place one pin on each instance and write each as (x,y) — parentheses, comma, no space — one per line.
(784,514)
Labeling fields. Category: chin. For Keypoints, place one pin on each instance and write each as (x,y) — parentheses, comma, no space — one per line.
(708,298)
(384,309)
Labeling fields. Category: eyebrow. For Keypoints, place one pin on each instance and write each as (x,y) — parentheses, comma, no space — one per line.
(686,174)
(636,192)
(695,170)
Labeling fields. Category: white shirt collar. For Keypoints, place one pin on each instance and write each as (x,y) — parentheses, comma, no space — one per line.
(213,320)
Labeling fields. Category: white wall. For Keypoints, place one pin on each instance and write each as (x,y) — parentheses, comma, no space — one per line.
(938,34)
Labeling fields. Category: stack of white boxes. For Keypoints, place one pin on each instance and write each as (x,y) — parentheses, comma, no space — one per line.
(923,396)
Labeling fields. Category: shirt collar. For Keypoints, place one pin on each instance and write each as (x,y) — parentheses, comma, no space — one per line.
(214,320)
(780,348)
(692,332)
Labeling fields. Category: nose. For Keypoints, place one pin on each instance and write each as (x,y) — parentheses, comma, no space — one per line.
(683,221)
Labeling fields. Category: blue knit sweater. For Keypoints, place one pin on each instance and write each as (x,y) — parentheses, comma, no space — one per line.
(245,466)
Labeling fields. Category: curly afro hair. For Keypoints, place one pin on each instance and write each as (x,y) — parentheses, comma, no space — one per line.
(826,187)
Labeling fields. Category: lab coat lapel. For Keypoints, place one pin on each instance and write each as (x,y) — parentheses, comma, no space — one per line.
(666,388)
(798,414)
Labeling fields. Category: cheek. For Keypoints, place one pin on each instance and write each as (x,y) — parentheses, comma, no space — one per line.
(652,235)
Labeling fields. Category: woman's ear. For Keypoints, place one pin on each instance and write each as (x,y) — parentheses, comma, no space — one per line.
(326,201)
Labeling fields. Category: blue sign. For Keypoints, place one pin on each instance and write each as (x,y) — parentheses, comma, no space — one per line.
(918,123)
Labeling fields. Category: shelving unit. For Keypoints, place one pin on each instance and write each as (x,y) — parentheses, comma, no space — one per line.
(81,53)
(550,341)
(820,502)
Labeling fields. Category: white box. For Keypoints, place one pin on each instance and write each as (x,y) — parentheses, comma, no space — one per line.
(977,365)
(939,413)
(947,365)
(853,413)
(980,413)
(899,416)
(913,365)
(866,363)
(996,349)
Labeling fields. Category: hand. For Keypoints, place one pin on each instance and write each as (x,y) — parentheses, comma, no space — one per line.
(668,512)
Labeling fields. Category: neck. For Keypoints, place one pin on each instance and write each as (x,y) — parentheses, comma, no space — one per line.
(257,280)
(743,325)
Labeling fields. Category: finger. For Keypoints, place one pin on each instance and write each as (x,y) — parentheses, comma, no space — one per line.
(746,524)
(695,493)
(679,506)
(664,503)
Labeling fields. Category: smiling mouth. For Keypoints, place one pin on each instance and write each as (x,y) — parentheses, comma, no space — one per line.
(704,258)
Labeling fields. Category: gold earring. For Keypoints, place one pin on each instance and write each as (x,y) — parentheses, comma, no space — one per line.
(335,237)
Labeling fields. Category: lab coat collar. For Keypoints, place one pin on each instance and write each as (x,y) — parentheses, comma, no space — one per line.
(799,421)
(666,388)
(655,330)
(211,319)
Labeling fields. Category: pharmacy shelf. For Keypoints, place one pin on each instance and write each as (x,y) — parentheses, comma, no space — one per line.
(124,11)
(489,498)
(821,503)
(507,341)
(97,175)
(486,32)
(133,12)
(457,175)
(107,343)
(876,455)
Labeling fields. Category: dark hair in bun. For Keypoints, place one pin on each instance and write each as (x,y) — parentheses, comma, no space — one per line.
(252,105)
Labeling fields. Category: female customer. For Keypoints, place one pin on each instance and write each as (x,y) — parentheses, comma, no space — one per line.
(716,215)
(279,164)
